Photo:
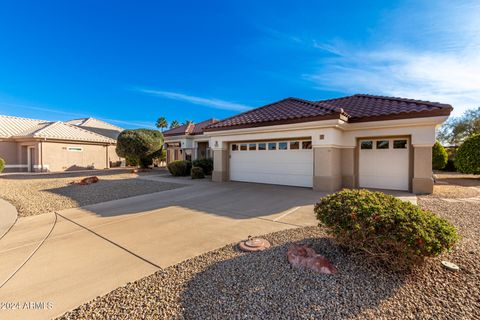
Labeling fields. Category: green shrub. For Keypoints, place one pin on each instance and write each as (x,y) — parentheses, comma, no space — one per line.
(2,165)
(132,161)
(450,167)
(140,144)
(179,168)
(197,173)
(205,164)
(384,227)
(439,156)
(467,159)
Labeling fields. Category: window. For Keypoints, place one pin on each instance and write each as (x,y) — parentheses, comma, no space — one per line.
(294,145)
(262,146)
(75,149)
(234,147)
(243,147)
(306,144)
(366,145)
(399,144)
(252,146)
(272,146)
(282,146)
(383,144)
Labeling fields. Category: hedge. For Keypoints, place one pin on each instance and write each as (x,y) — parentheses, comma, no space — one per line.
(205,164)
(467,159)
(179,167)
(384,227)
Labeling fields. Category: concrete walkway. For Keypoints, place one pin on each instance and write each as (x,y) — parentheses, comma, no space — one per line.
(8,216)
(95,249)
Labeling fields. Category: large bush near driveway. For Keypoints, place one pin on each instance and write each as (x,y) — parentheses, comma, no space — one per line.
(141,145)
(2,165)
(179,168)
(205,164)
(384,227)
(467,159)
(439,156)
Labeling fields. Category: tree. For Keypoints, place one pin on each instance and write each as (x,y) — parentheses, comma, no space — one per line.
(174,124)
(142,145)
(456,129)
(467,159)
(162,123)
(439,156)
(188,122)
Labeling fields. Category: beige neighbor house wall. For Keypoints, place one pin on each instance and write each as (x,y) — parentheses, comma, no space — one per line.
(58,156)
(8,152)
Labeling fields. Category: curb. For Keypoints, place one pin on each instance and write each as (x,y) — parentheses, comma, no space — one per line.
(8,217)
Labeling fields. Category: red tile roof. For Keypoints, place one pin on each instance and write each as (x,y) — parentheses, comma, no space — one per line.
(356,108)
(190,129)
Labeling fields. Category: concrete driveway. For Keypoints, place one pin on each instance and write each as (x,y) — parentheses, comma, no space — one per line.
(95,249)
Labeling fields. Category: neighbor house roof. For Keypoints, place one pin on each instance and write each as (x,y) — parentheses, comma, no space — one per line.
(98,126)
(356,108)
(15,127)
(190,129)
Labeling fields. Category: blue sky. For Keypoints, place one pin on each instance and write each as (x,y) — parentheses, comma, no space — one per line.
(130,62)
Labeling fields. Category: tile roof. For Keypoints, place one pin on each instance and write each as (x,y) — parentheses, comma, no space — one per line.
(356,108)
(190,129)
(15,127)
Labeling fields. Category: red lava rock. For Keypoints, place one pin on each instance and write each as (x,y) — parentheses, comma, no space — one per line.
(305,257)
(86,181)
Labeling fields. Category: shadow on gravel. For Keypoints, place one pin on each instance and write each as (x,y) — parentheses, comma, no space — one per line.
(264,286)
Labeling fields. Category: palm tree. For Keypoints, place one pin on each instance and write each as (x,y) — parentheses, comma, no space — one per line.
(174,124)
(187,122)
(162,123)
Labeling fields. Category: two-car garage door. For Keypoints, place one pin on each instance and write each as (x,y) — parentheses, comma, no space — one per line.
(275,162)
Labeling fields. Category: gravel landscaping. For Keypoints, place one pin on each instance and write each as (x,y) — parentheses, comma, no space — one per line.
(36,194)
(229,284)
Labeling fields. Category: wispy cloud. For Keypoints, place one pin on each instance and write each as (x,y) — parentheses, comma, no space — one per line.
(208,102)
(438,62)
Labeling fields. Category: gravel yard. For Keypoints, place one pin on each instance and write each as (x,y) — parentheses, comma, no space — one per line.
(229,284)
(36,194)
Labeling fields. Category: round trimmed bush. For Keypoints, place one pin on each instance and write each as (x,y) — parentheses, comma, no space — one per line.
(179,168)
(2,165)
(197,173)
(439,156)
(384,227)
(205,164)
(467,159)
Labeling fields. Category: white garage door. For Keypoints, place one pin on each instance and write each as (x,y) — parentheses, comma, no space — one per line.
(275,162)
(384,163)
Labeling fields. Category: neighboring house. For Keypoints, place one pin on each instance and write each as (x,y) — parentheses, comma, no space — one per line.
(355,141)
(42,146)
(188,142)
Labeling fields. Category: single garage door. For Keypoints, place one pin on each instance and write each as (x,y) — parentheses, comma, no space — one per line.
(384,163)
(274,162)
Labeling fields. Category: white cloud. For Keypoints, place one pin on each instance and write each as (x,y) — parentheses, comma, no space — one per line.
(208,102)
(431,54)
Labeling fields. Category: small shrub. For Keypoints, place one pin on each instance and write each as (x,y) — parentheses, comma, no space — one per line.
(385,227)
(2,165)
(450,167)
(439,156)
(197,173)
(467,159)
(179,168)
(205,164)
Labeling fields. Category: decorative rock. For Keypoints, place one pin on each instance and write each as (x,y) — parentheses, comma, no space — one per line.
(305,257)
(254,244)
(450,266)
(86,181)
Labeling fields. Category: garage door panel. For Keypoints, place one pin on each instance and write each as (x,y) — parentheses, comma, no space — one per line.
(384,168)
(284,167)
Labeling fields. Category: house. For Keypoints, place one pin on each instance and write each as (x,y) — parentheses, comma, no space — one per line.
(42,146)
(359,141)
(188,142)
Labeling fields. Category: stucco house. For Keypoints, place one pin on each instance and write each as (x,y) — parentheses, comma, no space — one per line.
(45,146)
(355,141)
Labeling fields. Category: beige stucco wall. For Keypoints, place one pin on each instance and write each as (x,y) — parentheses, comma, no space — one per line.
(9,152)
(348,169)
(220,165)
(327,169)
(58,158)
(112,154)
(422,181)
